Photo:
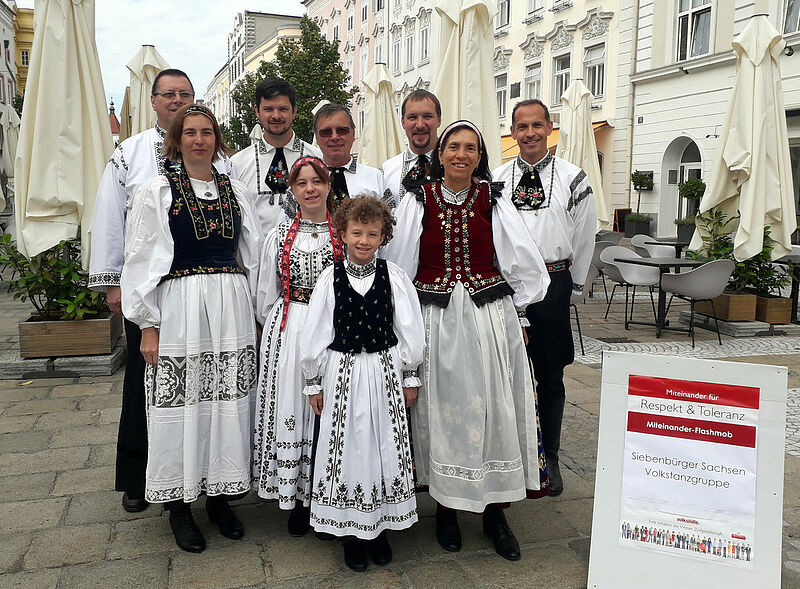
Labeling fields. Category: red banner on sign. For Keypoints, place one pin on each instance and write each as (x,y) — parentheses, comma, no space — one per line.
(688,390)
(692,429)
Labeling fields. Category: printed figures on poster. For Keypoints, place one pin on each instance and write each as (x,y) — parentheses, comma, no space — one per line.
(689,469)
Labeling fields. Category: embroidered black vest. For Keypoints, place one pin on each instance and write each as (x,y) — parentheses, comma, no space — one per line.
(363,323)
(205,233)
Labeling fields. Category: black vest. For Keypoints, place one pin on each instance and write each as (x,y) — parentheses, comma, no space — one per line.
(363,323)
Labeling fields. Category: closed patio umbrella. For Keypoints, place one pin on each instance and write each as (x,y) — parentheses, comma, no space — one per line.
(144,66)
(256,133)
(382,136)
(576,144)
(464,78)
(65,140)
(752,175)
(9,127)
(125,116)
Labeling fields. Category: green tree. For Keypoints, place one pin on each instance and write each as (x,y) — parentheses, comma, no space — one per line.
(311,64)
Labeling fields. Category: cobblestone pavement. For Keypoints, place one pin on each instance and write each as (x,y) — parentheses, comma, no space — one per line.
(62,525)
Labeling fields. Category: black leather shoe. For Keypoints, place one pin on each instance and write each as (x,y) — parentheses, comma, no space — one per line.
(221,514)
(299,520)
(187,536)
(379,550)
(133,505)
(496,527)
(448,533)
(355,554)
(556,482)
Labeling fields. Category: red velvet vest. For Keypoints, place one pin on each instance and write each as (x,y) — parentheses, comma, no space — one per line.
(456,246)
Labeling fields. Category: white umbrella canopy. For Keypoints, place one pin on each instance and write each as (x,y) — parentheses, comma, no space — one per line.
(64,144)
(144,67)
(256,133)
(382,136)
(9,137)
(314,111)
(752,176)
(576,144)
(463,81)
(125,116)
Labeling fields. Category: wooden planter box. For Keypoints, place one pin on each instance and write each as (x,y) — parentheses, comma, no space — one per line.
(773,309)
(730,307)
(88,337)
(637,227)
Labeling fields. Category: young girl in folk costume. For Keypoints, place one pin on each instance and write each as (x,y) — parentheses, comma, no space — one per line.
(360,349)
(293,256)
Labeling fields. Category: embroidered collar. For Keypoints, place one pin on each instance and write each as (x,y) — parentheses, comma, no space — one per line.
(540,165)
(358,271)
(410,156)
(454,197)
(295,144)
(307,226)
(161,131)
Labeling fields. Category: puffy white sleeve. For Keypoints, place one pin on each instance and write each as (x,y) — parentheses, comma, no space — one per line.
(148,252)
(518,258)
(249,247)
(318,333)
(269,276)
(583,209)
(403,248)
(108,226)
(408,324)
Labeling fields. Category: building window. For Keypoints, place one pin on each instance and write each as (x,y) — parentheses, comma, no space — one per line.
(364,10)
(694,28)
(350,23)
(377,5)
(503,16)
(24,57)
(396,54)
(561,66)
(360,121)
(533,80)
(410,49)
(364,60)
(424,38)
(501,89)
(792,21)
(594,69)
(378,53)
(336,32)
(535,5)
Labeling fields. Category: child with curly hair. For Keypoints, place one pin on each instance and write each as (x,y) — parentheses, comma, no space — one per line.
(363,342)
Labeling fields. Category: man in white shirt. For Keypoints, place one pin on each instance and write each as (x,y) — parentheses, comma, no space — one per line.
(556,203)
(134,161)
(421,116)
(264,166)
(335,132)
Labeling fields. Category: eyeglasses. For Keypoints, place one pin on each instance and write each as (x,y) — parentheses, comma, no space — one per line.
(170,95)
(328,131)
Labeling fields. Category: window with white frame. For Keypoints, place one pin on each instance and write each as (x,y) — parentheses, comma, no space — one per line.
(791,22)
(561,77)
(336,32)
(360,121)
(424,41)
(503,16)
(24,57)
(378,53)
(365,11)
(362,71)
(501,89)
(594,69)
(377,5)
(350,22)
(396,54)
(410,48)
(694,28)
(533,80)
(535,6)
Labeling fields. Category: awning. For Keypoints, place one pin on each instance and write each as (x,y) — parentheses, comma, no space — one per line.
(511,149)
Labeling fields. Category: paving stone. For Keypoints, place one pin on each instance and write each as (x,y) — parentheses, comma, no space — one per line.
(12,550)
(373,578)
(555,567)
(103,507)
(56,459)
(437,575)
(81,389)
(41,406)
(84,480)
(21,393)
(27,442)
(147,571)
(537,521)
(26,486)
(100,402)
(46,579)
(282,562)
(52,421)
(103,455)
(26,516)
(110,415)
(148,535)
(100,365)
(261,520)
(82,435)
(21,423)
(67,545)
(236,564)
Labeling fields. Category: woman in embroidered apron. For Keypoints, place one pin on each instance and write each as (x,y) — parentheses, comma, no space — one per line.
(293,256)
(475,423)
(359,354)
(189,279)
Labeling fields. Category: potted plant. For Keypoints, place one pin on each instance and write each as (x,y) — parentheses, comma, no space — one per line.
(69,319)
(692,190)
(685,227)
(636,223)
(766,280)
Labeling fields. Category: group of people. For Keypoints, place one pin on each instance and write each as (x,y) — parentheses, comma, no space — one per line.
(295,318)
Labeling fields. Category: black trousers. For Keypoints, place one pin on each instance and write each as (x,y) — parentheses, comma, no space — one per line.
(132,436)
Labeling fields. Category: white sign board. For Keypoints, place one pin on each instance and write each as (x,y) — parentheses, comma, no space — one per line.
(689,486)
